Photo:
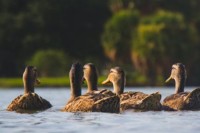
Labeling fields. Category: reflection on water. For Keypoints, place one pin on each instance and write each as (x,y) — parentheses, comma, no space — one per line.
(54,121)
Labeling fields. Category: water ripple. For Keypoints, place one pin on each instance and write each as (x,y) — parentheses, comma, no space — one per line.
(54,121)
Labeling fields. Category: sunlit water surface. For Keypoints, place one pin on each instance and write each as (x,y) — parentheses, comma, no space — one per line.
(54,121)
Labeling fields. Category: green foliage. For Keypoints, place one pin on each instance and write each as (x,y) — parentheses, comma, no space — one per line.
(161,16)
(172,36)
(152,34)
(29,26)
(55,81)
(147,40)
(45,82)
(50,62)
(155,38)
(11,82)
(117,34)
(160,37)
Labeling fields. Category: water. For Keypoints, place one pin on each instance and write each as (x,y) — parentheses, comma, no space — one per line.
(54,121)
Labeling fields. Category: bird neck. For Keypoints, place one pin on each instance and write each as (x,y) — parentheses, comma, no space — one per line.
(28,85)
(179,85)
(118,87)
(92,85)
(75,90)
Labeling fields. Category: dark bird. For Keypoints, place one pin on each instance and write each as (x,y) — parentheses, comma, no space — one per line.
(132,100)
(94,100)
(181,100)
(29,101)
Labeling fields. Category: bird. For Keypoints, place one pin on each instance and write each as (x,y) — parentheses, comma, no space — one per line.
(29,101)
(93,100)
(90,76)
(137,101)
(181,100)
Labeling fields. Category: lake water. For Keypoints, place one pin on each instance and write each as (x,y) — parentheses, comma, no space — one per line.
(54,121)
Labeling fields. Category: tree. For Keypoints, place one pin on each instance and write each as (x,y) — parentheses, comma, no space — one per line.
(116,39)
(160,40)
(74,26)
(50,62)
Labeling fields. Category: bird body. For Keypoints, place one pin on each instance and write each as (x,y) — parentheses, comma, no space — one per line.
(97,101)
(140,101)
(29,101)
(94,100)
(181,100)
(132,100)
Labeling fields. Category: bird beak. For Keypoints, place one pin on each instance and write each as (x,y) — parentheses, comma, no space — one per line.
(168,79)
(105,81)
(83,80)
(37,81)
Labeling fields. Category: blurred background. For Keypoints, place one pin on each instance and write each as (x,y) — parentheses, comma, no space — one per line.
(145,37)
